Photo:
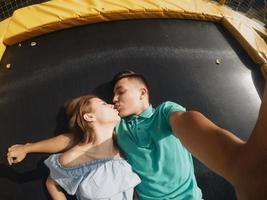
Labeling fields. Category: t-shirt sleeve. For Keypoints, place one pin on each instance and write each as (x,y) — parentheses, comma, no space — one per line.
(169,107)
(68,180)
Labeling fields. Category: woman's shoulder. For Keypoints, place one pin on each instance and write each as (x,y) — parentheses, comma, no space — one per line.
(71,158)
(83,155)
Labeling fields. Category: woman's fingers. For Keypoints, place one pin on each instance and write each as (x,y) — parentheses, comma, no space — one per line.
(14,146)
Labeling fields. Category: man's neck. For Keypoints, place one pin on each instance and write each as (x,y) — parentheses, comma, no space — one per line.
(143,107)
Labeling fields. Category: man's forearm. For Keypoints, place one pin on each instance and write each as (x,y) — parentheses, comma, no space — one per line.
(258,139)
(262,120)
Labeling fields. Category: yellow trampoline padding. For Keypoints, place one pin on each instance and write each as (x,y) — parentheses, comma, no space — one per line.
(55,15)
(248,38)
(3,29)
(249,34)
(59,14)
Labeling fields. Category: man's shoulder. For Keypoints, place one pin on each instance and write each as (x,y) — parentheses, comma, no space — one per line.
(167,105)
(165,109)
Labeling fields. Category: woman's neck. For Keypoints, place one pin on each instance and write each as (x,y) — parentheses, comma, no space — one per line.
(104,140)
(103,133)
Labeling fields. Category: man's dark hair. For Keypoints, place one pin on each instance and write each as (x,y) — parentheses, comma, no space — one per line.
(131,75)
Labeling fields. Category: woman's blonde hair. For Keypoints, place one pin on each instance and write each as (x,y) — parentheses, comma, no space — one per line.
(75,110)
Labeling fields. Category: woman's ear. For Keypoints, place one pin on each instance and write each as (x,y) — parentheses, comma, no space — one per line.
(89,117)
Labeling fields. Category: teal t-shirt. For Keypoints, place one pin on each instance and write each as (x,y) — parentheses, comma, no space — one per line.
(157,156)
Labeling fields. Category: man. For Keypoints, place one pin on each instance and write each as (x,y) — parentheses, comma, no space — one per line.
(154,140)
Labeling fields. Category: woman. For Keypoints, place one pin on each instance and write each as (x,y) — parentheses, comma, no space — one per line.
(94,168)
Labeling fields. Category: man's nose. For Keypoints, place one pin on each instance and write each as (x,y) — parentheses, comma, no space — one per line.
(115,99)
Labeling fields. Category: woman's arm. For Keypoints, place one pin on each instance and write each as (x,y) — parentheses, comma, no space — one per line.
(18,152)
(54,190)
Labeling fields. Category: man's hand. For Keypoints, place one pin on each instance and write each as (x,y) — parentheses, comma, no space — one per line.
(16,153)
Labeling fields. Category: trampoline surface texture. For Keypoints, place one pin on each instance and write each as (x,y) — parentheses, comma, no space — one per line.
(178,58)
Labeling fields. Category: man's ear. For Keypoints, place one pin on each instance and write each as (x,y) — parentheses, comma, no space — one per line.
(89,117)
(143,92)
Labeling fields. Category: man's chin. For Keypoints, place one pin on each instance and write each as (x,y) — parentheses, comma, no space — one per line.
(122,114)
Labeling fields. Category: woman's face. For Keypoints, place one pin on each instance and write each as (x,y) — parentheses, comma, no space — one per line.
(103,112)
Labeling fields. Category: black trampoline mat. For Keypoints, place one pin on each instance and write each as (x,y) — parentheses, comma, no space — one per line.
(178,58)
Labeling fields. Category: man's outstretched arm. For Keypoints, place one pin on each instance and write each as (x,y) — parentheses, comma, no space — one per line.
(215,147)
(18,152)
(242,163)
(251,166)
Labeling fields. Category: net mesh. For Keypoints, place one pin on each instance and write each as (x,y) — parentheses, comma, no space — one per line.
(7,7)
(254,9)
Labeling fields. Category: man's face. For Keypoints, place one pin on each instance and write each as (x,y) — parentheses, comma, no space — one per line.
(104,113)
(127,93)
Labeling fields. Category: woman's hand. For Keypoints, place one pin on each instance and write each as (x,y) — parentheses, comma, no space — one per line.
(17,153)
